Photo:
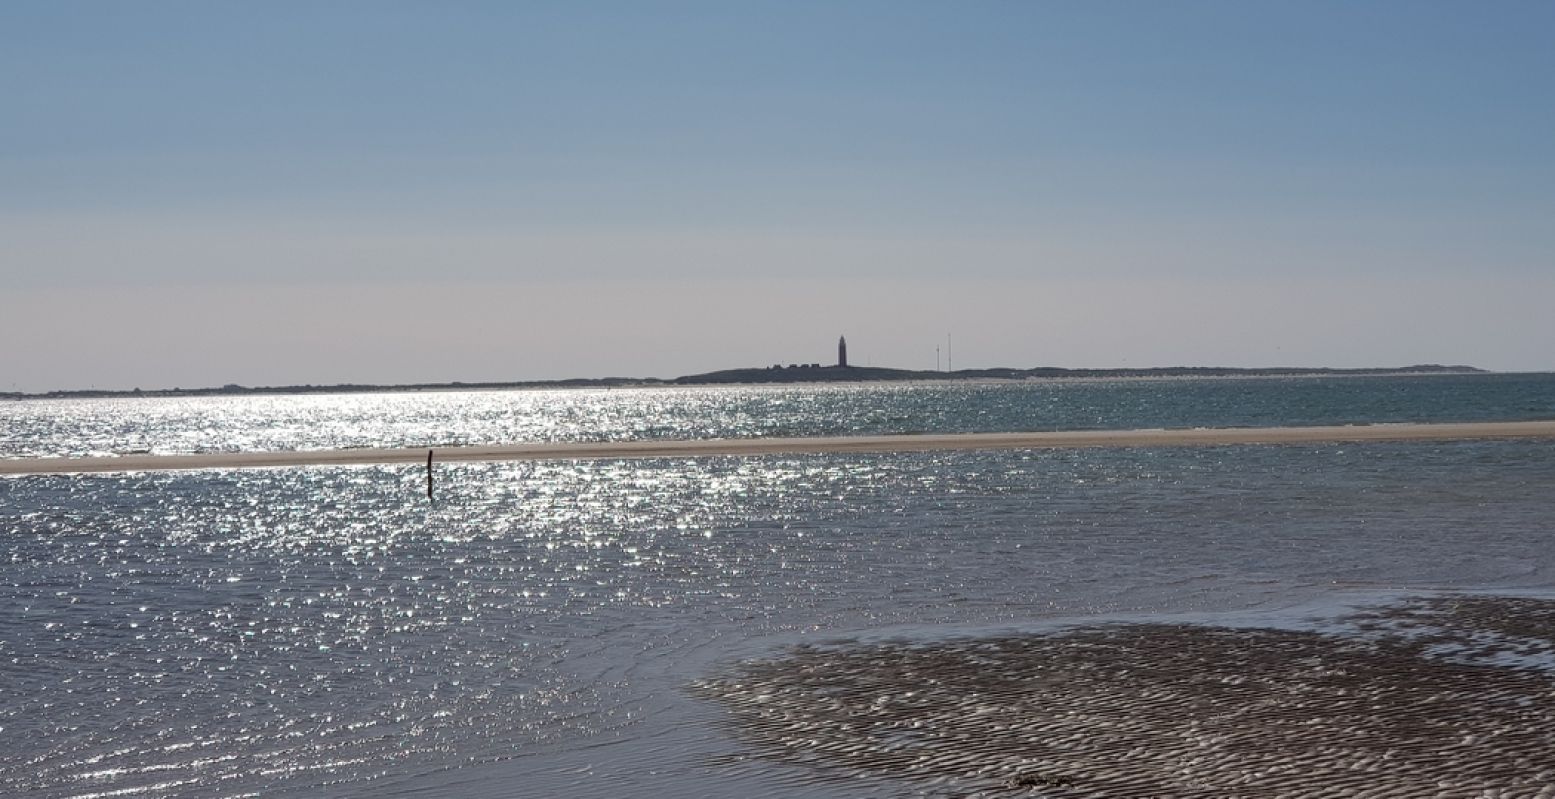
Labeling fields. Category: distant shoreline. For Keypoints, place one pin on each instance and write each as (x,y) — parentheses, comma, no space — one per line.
(716,447)
(773,375)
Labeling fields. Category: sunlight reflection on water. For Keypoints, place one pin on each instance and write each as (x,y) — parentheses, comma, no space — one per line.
(451,418)
(215,633)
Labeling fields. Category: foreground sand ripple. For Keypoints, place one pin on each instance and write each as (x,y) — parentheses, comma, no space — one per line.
(1421,702)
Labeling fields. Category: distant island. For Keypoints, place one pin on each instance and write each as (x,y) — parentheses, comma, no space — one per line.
(816,373)
(775,374)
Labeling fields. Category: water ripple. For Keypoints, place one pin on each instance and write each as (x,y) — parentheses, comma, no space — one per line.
(322,630)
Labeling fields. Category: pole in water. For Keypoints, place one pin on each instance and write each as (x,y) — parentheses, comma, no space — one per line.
(429,474)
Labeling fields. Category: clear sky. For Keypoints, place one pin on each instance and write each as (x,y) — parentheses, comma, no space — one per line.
(198,193)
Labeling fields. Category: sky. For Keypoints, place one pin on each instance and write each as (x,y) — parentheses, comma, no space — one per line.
(206,192)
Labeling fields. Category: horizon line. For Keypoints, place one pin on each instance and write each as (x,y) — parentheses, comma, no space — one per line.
(916,374)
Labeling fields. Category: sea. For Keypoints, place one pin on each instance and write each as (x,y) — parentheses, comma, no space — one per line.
(539,628)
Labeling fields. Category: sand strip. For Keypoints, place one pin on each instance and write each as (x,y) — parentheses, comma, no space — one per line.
(769,446)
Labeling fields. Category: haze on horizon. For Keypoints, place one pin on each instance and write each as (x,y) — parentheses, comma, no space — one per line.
(194,194)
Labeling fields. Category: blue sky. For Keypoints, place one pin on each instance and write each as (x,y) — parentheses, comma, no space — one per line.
(267,193)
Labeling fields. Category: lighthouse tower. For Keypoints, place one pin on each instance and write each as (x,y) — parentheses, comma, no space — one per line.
(842,351)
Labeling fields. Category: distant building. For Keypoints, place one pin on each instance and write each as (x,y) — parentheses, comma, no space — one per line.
(842,351)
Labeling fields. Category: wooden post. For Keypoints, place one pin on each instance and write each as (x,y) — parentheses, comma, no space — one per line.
(429,475)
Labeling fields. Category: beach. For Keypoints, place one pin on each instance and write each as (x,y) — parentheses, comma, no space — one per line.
(839,400)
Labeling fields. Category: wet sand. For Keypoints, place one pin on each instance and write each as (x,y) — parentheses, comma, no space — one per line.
(1438,697)
(768,446)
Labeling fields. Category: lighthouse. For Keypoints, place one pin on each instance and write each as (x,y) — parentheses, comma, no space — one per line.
(842,351)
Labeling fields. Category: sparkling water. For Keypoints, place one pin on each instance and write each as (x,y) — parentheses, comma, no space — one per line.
(449,418)
(328,632)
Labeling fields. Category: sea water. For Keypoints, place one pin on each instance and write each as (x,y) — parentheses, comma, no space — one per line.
(324,631)
(177,425)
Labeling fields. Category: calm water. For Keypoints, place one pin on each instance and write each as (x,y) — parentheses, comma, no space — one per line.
(326,632)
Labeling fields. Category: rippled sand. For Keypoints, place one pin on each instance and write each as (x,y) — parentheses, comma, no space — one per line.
(766,446)
(1439,697)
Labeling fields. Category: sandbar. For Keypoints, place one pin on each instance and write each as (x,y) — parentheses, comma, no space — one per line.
(1544,429)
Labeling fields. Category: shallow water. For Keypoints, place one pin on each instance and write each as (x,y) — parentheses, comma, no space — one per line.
(326,632)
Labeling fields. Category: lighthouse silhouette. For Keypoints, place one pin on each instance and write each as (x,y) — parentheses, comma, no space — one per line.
(842,351)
